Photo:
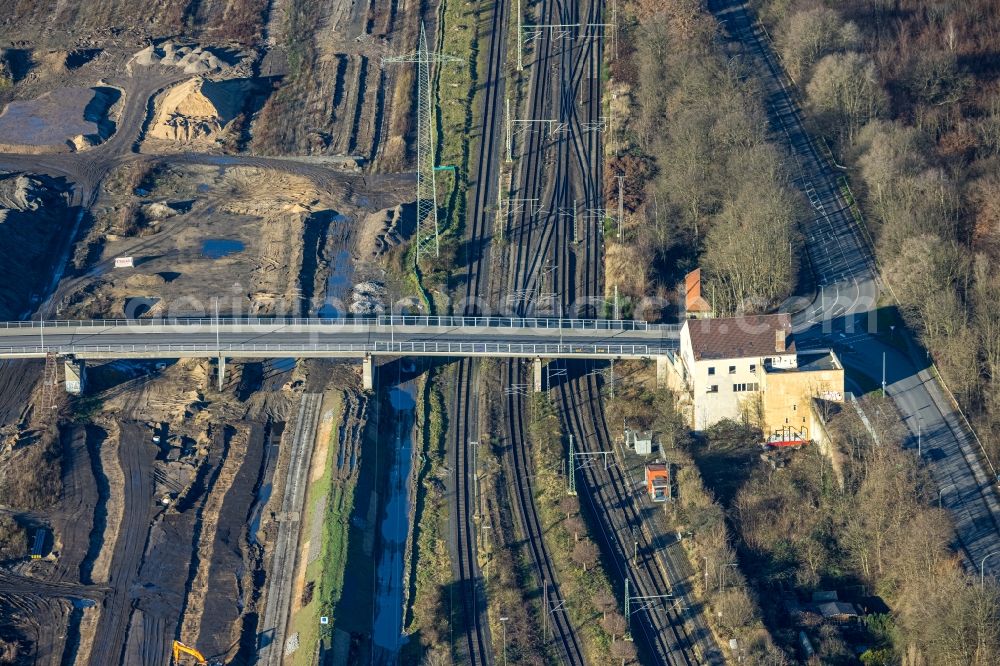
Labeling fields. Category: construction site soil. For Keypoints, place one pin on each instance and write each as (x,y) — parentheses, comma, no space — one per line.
(160,497)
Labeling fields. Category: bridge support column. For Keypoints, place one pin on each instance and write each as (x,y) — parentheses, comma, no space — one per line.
(367,373)
(662,370)
(75,372)
(536,367)
(221,371)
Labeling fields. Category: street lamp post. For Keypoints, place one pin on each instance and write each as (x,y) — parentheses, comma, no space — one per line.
(982,569)
(503,623)
(883,374)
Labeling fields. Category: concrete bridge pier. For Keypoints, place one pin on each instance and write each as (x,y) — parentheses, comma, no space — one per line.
(536,367)
(75,371)
(367,373)
(221,374)
(662,370)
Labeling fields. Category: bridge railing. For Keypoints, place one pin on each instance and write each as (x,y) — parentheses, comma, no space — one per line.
(383,348)
(382,320)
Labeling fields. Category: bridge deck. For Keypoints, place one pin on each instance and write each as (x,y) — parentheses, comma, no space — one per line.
(400,336)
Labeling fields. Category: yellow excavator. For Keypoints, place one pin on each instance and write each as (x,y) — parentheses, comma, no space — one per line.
(180,648)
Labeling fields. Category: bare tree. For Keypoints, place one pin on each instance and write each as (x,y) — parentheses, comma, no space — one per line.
(585,553)
(604,601)
(436,657)
(845,93)
(623,650)
(811,34)
(575,526)
(614,623)
(569,505)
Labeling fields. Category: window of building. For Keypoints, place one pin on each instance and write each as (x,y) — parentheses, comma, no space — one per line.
(794,407)
(711,370)
(742,388)
(732,369)
(714,388)
(753,367)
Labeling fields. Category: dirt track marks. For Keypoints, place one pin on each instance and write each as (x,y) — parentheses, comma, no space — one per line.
(136,456)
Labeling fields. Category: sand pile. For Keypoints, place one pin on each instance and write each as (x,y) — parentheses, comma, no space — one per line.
(192,59)
(196,110)
(157,211)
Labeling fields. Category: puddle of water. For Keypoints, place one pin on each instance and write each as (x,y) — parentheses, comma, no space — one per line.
(337,285)
(394,526)
(216,248)
(263,495)
(204,187)
(282,364)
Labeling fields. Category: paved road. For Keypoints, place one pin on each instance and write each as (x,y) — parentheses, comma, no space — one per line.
(200,338)
(843,311)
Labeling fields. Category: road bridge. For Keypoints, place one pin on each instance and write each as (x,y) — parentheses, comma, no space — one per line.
(398,335)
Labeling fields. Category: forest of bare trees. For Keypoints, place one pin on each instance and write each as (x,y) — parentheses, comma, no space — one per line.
(714,191)
(908,94)
(882,532)
(908,97)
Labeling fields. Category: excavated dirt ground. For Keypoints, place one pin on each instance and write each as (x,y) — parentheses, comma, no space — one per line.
(266,230)
(149,166)
(33,214)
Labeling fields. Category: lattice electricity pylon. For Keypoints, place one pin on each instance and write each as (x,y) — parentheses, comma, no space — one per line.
(427,230)
(635,604)
(570,470)
(574,220)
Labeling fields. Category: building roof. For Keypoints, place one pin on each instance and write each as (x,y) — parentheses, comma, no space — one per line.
(837,609)
(751,336)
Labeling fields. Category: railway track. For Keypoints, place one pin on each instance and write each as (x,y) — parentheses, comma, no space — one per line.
(464,412)
(522,267)
(575,256)
(282,565)
(522,479)
(464,430)
(660,627)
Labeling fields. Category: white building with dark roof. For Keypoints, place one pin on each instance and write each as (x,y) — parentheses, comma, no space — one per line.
(733,367)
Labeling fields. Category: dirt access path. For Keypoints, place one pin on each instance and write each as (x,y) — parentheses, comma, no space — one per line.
(136,455)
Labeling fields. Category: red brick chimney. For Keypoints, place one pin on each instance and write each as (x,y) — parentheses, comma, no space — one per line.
(779,340)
